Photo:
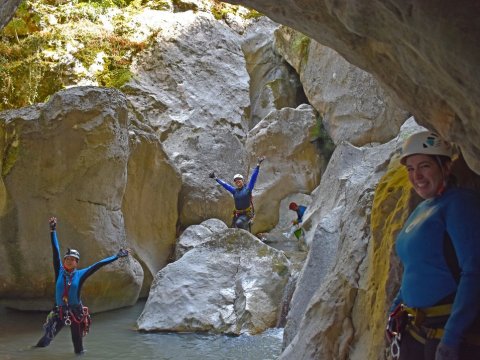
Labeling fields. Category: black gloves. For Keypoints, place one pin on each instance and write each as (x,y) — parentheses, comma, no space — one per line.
(212,175)
(53,223)
(260,160)
(122,253)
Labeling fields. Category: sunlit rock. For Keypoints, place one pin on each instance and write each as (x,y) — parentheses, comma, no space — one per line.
(195,235)
(231,284)
(353,104)
(192,87)
(293,164)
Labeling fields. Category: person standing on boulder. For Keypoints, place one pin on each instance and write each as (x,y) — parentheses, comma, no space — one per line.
(435,315)
(69,309)
(243,212)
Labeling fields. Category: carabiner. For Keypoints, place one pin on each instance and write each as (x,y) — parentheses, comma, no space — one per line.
(395,347)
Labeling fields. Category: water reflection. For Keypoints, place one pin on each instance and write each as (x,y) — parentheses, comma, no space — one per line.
(112,336)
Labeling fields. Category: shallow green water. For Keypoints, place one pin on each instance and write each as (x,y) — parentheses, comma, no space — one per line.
(112,336)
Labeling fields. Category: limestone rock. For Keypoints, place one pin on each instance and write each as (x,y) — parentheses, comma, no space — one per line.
(195,235)
(296,168)
(150,200)
(192,87)
(70,162)
(353,104)
(273,83)
(231,284)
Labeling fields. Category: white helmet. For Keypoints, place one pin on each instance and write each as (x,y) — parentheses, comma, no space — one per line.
(425,142)
(73,253)
(238,176)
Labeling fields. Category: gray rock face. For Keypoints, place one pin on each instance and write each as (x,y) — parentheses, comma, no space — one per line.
(414,49)
(150,200)
(231,284)
(192,87)
(354,106)
(273,83)
(293,163)
(195,235)
(70,158)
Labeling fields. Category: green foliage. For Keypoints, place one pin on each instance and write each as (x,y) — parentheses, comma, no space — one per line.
(25,77)
(37,65)
(253,14)
(10,152)
(24,22)
(51,44)
(301,46)
(220,10)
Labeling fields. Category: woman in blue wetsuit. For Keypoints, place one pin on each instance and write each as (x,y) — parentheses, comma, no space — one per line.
(69,309)
(439,247)
(242,196)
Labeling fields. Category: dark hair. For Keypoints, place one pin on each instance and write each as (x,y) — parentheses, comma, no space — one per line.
(442,160)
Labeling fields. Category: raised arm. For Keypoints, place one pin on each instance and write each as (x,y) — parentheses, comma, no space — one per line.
(57,262)
(87,272)
(225,185)
(253,179)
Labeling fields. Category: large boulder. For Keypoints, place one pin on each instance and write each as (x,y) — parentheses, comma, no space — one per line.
(152,188)
(195,235)
(231,284)
(192,87)
(70,158)
(293,163)
(354,106)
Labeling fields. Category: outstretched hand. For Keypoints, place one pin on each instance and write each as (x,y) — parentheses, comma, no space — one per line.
(123,252)
(53,223)
(260,160)
(212,175)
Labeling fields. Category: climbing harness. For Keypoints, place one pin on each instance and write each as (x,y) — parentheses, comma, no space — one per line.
(69,316)
(419,329)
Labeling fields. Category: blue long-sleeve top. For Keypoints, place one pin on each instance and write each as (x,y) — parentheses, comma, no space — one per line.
(241,196)
(75,278)
(427,278)
(300,212)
